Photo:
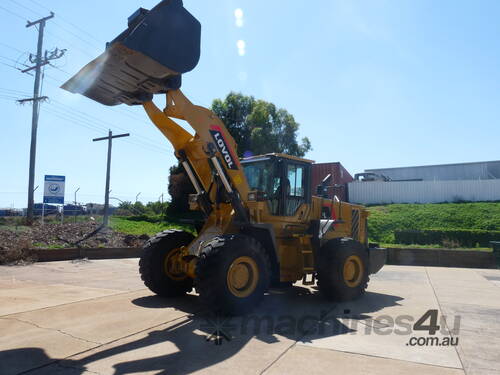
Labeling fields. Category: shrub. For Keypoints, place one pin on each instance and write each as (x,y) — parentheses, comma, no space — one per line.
(447,237)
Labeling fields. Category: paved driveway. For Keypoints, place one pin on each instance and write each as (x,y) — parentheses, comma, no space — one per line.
(97,318)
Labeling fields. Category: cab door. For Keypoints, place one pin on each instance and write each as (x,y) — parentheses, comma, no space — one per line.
(296,187)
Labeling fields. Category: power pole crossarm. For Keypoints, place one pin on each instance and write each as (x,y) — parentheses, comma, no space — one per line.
(41,20)
(109,138)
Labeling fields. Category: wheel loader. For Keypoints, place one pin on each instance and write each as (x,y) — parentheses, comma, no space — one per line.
(264,224)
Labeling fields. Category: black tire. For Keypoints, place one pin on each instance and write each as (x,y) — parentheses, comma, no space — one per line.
(214,264)
(331,281)
(151,264)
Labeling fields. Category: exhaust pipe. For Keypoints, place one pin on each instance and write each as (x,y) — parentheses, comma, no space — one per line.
(148,58)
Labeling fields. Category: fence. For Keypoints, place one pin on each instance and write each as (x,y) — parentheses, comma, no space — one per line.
(380,192)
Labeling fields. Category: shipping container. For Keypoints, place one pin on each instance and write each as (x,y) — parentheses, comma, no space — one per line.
(337,184)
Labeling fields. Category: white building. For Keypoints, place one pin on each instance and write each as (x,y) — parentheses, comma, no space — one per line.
(479,181)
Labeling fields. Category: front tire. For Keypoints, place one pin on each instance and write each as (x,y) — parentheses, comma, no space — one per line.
(343,269)
(232,274)
(154,264)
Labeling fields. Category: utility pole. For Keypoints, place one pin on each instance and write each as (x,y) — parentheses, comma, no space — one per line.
(109,138)
(39,61)
(76,191)
(137,197)
(74,208)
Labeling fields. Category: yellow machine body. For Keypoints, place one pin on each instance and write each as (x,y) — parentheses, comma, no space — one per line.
(292,237)
(264,223)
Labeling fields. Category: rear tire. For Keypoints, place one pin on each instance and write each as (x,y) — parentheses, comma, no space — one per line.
(343,269)
(232,274)
(152,265)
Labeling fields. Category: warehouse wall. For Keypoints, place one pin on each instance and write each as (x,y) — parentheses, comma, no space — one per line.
(462,171)
(379,192)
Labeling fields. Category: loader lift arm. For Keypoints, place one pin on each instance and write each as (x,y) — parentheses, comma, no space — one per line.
(201,154)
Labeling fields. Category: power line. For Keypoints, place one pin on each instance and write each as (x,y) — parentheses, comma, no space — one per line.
(108,124)
(54,23)
(8,58)
(70,44)
(147,143)
(105,123)
(85,120)
(11,47)
(8,97)
(90,126)
(60,69)
(25,7)
(71,111)
(129,113)
(14,92)
(10,66)
(14,61)
(13,13)
(66,113)
(70,23)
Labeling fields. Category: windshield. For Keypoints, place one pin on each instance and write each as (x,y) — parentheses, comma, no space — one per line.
(262,176)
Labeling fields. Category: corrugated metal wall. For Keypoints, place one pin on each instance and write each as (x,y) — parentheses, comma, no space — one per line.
(462,171)
(379,192)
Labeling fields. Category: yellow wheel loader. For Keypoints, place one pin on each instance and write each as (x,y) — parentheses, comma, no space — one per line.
(264,224)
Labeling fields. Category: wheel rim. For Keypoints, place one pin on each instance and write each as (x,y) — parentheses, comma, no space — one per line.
(242,276)
(353,271)
(171,266)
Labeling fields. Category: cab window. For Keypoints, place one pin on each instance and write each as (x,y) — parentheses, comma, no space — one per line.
(296,181)
(295,176)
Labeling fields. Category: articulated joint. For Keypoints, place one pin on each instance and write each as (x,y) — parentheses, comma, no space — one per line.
(181,265)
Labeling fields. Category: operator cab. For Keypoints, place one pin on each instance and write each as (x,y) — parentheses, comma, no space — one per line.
(281,180)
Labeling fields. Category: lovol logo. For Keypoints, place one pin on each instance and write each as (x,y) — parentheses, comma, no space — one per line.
(223,147)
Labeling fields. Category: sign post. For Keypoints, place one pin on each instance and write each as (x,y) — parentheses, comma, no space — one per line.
(53,191)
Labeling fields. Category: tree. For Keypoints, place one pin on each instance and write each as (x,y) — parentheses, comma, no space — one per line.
(257,126)
(179,188)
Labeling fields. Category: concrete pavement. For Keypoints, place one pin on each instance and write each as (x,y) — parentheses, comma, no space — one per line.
(97,318)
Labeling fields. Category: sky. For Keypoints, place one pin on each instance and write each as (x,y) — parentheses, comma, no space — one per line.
(373,84)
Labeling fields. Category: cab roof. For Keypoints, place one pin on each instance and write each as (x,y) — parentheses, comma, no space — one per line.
(284,156)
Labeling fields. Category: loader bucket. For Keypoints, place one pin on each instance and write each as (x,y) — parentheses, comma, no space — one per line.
(147,58)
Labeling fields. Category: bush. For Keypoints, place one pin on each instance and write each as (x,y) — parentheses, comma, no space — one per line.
(447,237)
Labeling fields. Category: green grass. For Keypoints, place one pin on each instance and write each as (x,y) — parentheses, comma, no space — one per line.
(124,225)
(384,220)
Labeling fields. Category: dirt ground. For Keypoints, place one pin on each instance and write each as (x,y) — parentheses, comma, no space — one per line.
(16,243)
